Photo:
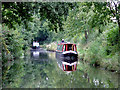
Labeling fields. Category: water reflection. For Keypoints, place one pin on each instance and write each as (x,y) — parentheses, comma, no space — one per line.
(69,66)
(40,70)
(68,63)
(35,54)
(39,54)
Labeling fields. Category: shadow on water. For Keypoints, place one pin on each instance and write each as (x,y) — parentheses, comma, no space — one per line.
(41,69)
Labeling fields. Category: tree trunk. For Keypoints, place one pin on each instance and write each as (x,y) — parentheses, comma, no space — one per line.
(119,34)
(86,36)
(119,26)
(100,31)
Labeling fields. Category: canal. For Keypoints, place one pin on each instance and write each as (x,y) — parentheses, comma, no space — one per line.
(41,69)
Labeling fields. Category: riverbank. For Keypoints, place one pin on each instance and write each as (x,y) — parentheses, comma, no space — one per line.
(104,63)
(50,47)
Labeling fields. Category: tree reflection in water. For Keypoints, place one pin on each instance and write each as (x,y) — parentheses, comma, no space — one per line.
(41,70)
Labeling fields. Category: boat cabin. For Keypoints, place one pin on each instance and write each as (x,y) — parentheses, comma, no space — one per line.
(66,47)
(35,45)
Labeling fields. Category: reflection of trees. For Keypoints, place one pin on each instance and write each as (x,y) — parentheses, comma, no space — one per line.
(14,75)
(36,74)
(75,79)
(100,78)
(47,74)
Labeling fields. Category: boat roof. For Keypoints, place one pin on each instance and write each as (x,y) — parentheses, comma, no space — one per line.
(66,43)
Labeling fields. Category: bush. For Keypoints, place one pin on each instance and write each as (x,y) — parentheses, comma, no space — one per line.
(103,49)
(13,42)
(112,39)
(112,36)
(91,54)
(111,62)
(52,46)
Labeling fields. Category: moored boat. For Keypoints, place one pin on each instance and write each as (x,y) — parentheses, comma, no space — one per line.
(67,51)
(35,45)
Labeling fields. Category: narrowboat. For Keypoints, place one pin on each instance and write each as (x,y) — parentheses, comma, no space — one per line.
(68,51)
(35,45)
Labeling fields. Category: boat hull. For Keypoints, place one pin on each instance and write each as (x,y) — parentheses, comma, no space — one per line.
(68,57)
(34,47)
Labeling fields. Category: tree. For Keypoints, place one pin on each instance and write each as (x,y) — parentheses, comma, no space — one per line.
(16,13)
(114,7)
(115,10)
(56,13)
(22,12)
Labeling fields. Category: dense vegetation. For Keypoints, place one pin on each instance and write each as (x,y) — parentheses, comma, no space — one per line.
(95,33)
(97,36)
(89,25)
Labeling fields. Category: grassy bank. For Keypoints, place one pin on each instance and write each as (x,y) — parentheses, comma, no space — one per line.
(50,47)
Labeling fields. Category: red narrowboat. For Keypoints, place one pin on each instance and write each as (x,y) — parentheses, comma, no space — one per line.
(67,49)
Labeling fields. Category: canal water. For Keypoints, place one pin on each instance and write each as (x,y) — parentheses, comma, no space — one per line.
(41,69)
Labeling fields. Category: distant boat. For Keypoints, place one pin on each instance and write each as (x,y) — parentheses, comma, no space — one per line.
(68,51)
(35,45)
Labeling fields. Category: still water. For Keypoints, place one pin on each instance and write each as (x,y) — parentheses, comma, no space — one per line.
(41,69)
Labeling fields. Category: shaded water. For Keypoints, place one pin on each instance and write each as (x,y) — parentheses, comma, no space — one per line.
(41,69)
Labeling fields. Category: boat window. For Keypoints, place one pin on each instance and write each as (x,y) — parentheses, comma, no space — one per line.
(75,49)
(70,47)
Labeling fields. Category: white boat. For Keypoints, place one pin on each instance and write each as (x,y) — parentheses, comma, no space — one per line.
(35,45)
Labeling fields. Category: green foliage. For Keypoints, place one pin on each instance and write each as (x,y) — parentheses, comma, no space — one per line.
(87,24)
(100,51)
(14,75)
(102,35)
(43,35)
(112,36)
(22,12)
(75,39)
(102,14)
(13,41)
(56,13)
(16,13)
(91,53)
